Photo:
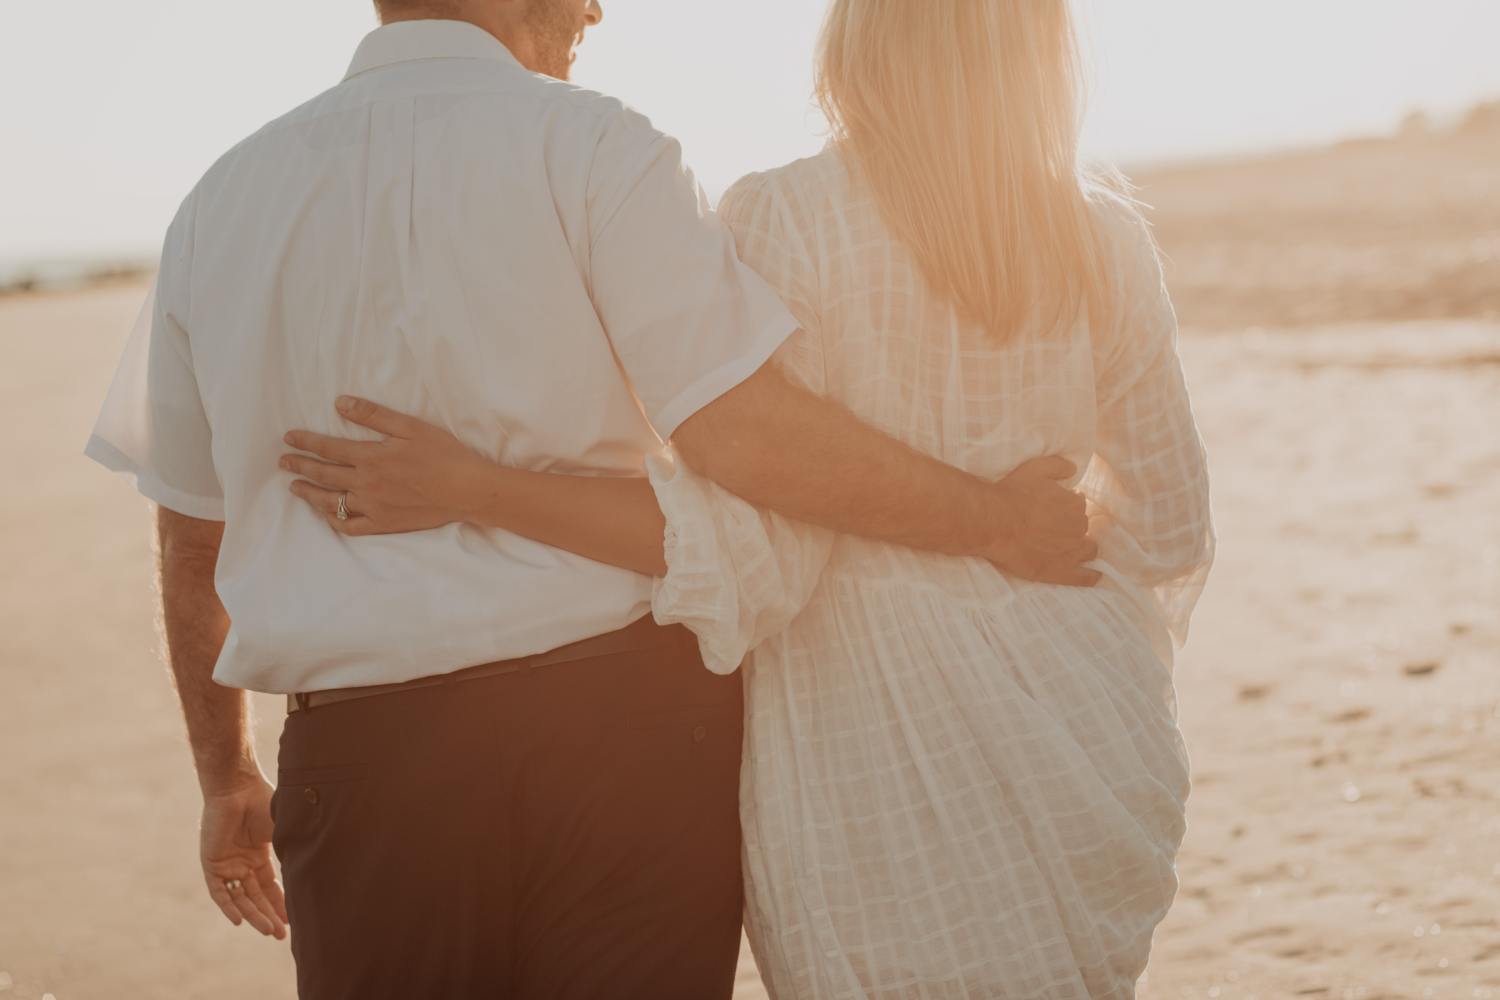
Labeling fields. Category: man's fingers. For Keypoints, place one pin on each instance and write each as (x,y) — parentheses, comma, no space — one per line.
(1048,467)
(1055,546)
(1066,576)
(252,914)
(222,899)
(240,906)
(257,897)
(1080,553)
(1063,565)
(245,905)
(377,417)
(341,450)
(1063,526)
(1070,570)
(274,893)
(334,477)
(1061,536)
(1070,509)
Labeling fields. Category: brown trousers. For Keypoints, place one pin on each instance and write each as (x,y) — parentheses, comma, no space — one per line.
(569,832)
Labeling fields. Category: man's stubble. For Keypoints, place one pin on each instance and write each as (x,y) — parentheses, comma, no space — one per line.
(554,31)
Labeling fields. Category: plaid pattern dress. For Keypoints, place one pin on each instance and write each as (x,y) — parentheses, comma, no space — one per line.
(956,784)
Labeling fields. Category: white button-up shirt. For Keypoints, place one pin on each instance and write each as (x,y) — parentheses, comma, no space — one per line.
(523,262)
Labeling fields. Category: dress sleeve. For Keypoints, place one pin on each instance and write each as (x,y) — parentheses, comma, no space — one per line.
(737,574)
(153,428)
(1148,480)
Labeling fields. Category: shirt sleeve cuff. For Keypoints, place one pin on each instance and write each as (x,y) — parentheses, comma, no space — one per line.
(719,381)
(150,486)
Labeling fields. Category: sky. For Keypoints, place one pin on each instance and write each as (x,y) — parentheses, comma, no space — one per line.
(110,110)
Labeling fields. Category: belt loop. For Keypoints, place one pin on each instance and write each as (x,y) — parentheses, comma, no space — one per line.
(304,701)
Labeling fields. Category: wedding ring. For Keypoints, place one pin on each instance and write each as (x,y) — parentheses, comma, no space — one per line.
(343,511)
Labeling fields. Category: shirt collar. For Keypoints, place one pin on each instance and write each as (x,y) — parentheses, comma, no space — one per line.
(405,41)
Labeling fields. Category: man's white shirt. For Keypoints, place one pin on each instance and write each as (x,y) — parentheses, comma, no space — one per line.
(523,262)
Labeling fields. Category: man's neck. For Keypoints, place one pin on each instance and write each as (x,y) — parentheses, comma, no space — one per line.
(504,29)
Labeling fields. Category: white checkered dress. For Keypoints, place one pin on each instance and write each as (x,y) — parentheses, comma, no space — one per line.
(956,784)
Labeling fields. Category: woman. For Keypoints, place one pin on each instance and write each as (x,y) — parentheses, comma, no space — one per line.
(955,783)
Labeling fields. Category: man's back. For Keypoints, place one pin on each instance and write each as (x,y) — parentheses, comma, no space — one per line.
(453,236)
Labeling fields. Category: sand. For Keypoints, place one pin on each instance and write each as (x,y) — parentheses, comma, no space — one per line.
(1371,230)
(1340,695)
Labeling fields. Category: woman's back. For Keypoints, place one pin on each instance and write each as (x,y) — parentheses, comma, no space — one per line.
(956,783)
(878,339)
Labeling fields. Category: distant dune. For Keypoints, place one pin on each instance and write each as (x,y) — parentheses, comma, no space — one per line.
(50,274)
(1406,227)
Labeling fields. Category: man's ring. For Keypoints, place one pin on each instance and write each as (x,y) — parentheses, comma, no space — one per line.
(234,885)
(343,511)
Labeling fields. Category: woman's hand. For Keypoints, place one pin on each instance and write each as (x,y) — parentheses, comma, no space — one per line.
(419,477)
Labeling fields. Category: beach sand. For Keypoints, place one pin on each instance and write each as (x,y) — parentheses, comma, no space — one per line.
(1340,695)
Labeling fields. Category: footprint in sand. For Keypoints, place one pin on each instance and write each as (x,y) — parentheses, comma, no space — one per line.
(1260,933)
(1254,692)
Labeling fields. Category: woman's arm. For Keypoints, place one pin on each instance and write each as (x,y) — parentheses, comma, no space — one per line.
(610,520)
(1149,478)
(737,574)
(422,477)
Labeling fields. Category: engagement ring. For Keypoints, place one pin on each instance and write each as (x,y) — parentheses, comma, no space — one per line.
(343,511)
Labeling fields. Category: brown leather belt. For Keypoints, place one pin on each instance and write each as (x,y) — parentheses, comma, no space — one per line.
(645,634)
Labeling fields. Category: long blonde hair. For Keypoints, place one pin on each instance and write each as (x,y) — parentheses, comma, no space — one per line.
(962,118)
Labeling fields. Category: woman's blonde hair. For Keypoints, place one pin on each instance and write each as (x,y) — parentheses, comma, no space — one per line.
(962,118)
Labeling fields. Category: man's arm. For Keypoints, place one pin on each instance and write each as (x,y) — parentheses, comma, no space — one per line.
(688,320)
(779,446)
(236,831)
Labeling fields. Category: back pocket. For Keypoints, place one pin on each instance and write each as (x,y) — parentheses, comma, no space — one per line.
(310,801)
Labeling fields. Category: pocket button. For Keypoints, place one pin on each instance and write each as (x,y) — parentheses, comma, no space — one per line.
(700,733)
(310,794)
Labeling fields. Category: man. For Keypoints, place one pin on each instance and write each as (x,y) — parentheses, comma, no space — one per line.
(498,776)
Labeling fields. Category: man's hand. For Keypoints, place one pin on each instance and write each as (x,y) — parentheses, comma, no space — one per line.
(235,848)
(1044,526)
(411,481)
(780,446)
(235,834)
